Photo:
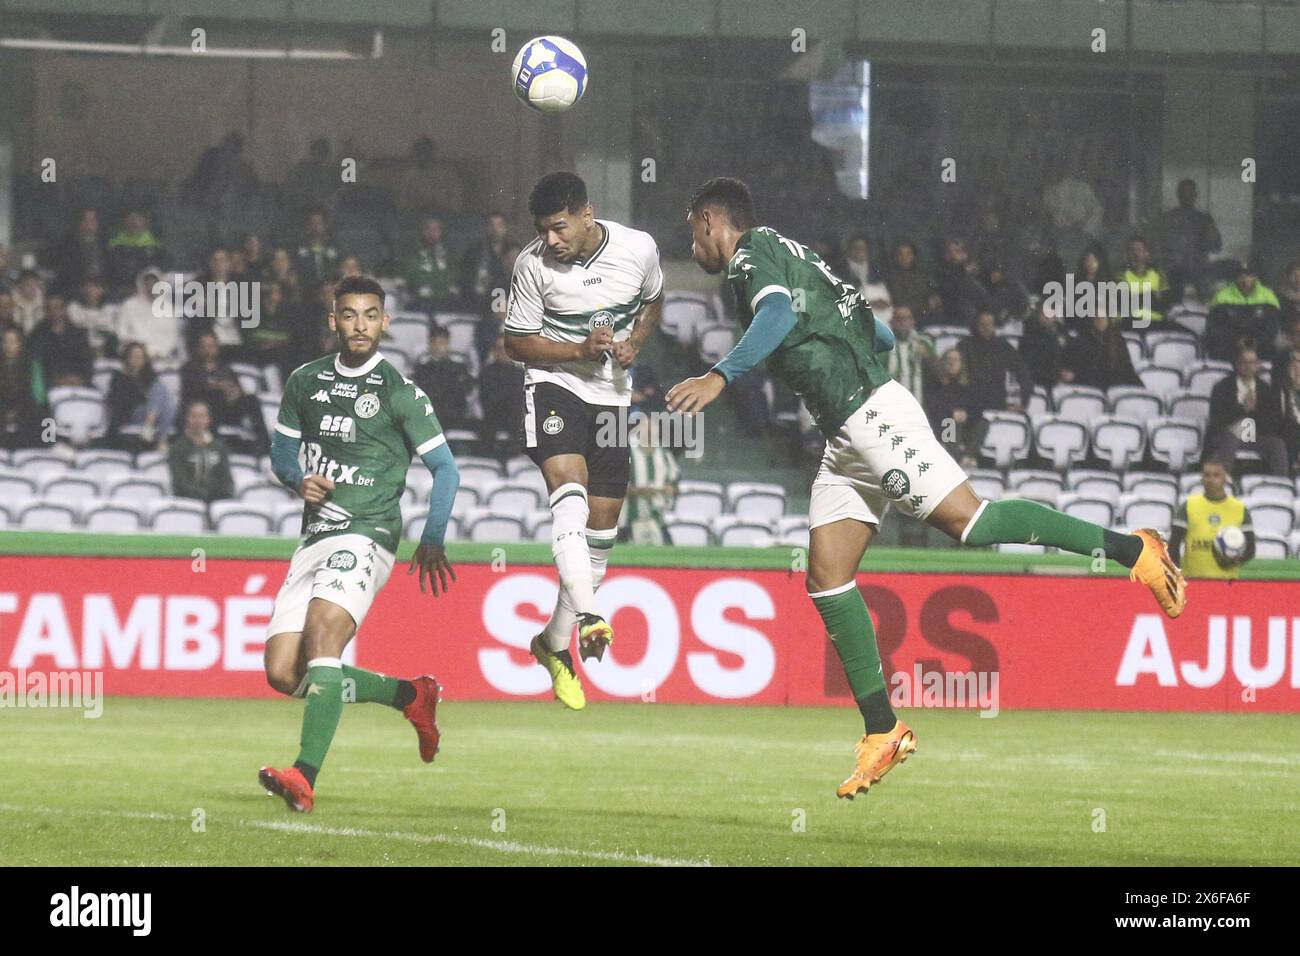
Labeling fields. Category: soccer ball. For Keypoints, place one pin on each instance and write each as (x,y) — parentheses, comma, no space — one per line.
(549,74)
(1230,544)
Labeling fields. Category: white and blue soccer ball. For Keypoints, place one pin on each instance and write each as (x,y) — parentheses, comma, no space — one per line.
(1230,544)
(549,74)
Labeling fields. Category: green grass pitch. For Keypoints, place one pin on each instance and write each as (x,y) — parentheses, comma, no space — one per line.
(158,782)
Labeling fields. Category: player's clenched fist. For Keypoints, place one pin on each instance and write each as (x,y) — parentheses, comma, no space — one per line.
(695,393)
(315,489)
(597,342)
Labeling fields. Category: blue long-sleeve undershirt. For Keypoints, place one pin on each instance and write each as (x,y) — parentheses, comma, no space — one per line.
(439,461)
(772,323)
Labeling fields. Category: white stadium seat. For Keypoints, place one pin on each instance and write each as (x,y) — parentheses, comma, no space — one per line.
(1174,441)
(1094,484)
(1063,440)
(13,487)
(1270,517)
(1160,380)
(264,495)
(1078,403)
(1173,349)
(1202,378)
(79,419)
(1119,441)
(987,483)
(41,515)
(177,515)
(734,532)
(1147,513)
(715,342)
(1268,545)
(689,533)
(1039,485)
(409,331)
(112,516)
(466,498)
(698,500)
(287,519)
(514,499)
(241,518)
(1008,438)
(792,530)
(684,314)
(1263,488)
(1189,405)
(69,489)
(132,487)
(1087,508)
(485,525)
(1130,401)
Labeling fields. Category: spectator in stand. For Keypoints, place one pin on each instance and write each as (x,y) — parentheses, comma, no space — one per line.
(313,181)
(1286,379)
(29,300)
(955,410)
(652,488)
(141,410)
(963,295)
(907,282)
(255,265)
(222,175)
(223,295)
(430,279)
(269,344)
(935,312)
(7,307)
(1041,346)
(992,241)
(88,311)
(501,393)
(200,463)
(1288,298)
(133,249)
(312,327)
(1074,209)
(492,317)
(988,360)
(282,271)
(481,268)
(79,253)
(146,317)
(1093,265)
(23,405)
(829,251)
(428,184)
(238,417)
(445,380)
(1007,297)
(1187,236)
(349,266)
(1144,280)
(62,349)
(202,373)
(911,359)
(1245,412)
(317,257)
(864,275)
(1099,357)
(1244,308)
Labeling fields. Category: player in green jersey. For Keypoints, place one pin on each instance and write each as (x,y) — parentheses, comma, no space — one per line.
(820,338)
(358,422)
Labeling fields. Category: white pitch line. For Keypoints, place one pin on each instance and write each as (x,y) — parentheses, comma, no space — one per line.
(294,826)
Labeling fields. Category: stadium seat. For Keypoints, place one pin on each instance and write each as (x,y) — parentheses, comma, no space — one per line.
(1137,352)
(537,525)
(1147,513)
(1063,440)
(1119,441)
(1268,545)
(1154,487)
(113,517)
(1161,380)
(410,333)
(987,483)
(250,377)
(460,329)
(1270,517)
(177,515)
(1087,508)
(1192,316)
(760,501)
(1094,484)
(1175,442)
(1040,485)
(78,419)
(13,487)
(1268,488)
(1040,402)
(1190,483)
(1189,405)
(270,411)
(241,518)
(1130,401)
(106,463)
(287,519)
(734,532)
(792,530)
(520,464)
(1078,403)
(43,515)
(479,476)
(466,498)
(1012,548)
(102,376)
(715,342)
(1172,349)
(33,461)
(684,313)
(484,525)
(689,533)
(1203,376)
(515,499)
(69,489)
(142,461)
(134,488)
(1008,438)
(264,495)
(698,500)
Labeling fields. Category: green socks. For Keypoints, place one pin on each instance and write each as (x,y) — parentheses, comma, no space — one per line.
(367,687)
(324,696)
(849,627)
(1020,521)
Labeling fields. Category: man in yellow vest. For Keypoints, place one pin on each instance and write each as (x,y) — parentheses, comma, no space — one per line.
(1199,520)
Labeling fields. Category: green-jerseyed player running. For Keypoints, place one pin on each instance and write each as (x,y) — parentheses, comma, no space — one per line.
(821,340)
(359,421)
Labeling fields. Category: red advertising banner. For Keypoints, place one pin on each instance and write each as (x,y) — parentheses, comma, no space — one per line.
(164,627)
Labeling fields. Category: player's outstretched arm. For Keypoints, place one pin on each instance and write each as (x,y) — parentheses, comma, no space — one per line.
(772,323)
(430,556)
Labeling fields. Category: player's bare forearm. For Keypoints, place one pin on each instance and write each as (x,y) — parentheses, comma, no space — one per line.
(646,323)
(536,350)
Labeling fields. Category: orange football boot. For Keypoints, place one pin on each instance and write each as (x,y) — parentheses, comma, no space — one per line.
(1156,569)
(877,755)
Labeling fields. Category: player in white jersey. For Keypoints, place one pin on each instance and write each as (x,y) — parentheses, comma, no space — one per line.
(584,297)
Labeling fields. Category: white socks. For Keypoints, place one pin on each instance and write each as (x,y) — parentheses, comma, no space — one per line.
(559,629)
(569,544)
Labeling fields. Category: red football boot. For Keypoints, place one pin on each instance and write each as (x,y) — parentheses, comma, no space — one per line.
(423,715)
(289,784)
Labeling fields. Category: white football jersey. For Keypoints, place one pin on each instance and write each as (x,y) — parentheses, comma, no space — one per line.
(565,301)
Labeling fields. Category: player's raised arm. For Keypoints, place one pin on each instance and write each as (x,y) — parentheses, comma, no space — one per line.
(772,323)
(524,312)
(652,295)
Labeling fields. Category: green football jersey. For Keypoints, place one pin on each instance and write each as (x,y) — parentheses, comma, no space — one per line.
(360,428)
(829,358)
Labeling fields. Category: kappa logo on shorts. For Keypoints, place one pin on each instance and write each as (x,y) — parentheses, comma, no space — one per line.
(896,483)
(367,406)
(553,425)
(341,561)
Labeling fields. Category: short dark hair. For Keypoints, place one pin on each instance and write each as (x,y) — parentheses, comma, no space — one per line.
(555,192)
(358,285)
(731,196)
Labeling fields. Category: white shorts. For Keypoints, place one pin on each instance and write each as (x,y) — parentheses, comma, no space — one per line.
(886,451)
(345,569)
